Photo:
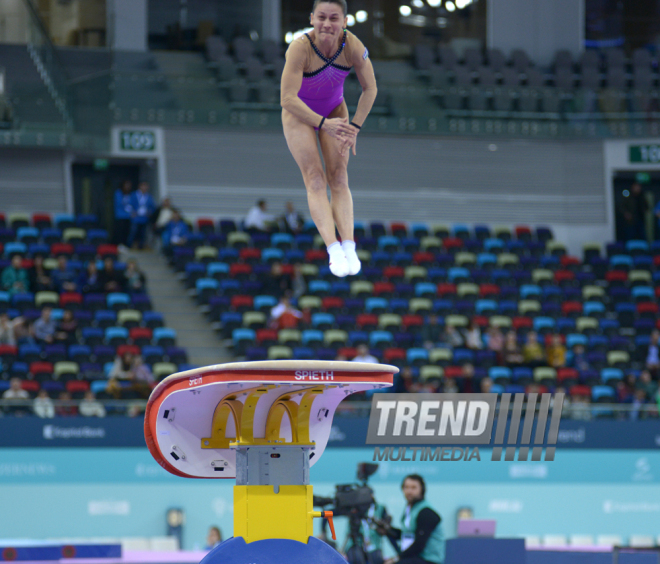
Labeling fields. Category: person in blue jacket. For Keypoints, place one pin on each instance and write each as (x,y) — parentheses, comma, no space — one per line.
(143,206)
(175,234)
(123,213)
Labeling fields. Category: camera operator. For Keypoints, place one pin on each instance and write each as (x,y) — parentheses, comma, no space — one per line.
(371,539)
(422,540)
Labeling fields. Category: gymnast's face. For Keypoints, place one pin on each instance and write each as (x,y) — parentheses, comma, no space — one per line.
(328,21)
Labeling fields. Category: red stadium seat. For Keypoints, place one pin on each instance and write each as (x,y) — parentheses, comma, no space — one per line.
(568,261)
(316,256)
(242,303)
(140,335)
(399,229)
(58,249)
(571,309)
(567,376)
(481,321)
(287,269)
(367,321)
(580,390)
(41,220)
(330,303)
(452,243)
(383,289)
(106,250)
(30,386)
(77,386)
(8,352)
(391,356)
(41,370)
(520,322)
(347,352)
(423,257)
(446,289)
(647,309)
(616,276)
(453,372)
(266,337)
(410,322)
(250,255)
(133,349)
(205,225)
(240,270)
(70,300)
(394,273)
(563,276)
(487,290)
(523,232)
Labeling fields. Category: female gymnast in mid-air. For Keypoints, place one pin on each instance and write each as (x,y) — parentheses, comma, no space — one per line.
(317,63)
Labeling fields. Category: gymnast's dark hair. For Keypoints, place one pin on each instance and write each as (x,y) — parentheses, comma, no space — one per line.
(417,478)
(341,3)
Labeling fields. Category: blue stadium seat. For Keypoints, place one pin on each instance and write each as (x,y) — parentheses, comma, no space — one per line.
(425,289)
(642,294)
(486,260)
(575,339)
(116,335)
(530,291)
(271,255)
(493,245)
(164,337)
(312,337)
(485,307)
(153,319)
(374,305)
(500,374)
(356,338)
(15,248)
(27,235)
(322,320)
(380,339)
(637,247)
(92,335)
(417,357)
(217,270)
(303,353)
(118,300)
(463,356)
(264,303)
(603,394)
(282,241)
(543,325)
(611,376)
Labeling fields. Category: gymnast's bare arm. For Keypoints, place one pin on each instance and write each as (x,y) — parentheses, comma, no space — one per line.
(292,76)
(365,73)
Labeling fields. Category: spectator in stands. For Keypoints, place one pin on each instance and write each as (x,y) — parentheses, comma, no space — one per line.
(40,280)
(533,354)
(143,208)
(65,406)
(43,329)
(15,278)
(652,356)
(403,382)
(647,384)
(175,234)
(298,284)
(135,278)
(284,315)
(432,332)
(8,329)
(43,406)
(278,282)
(625,389)
(473,337)
(511,353)
(162,216)
(556,352)
(214,538)
(90,279)
(67,328)
(363,355)
(123,213)
(90,406)
(111,279)
(634,209)
(64,277)
(485,385)
(258,219)
(578,359)
(450,386)
(453,337)
(293,219)
(580,407)
(130,367)
(466,380)
(639,402)
(495,342)
(16,394)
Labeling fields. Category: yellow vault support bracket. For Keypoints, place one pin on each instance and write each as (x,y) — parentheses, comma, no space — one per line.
(260,513)
(242,415)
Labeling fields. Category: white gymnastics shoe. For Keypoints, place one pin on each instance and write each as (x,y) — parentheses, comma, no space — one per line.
(354,264)
(338,262)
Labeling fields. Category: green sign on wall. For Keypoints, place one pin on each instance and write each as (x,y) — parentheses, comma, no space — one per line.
(138,141)
(644,154)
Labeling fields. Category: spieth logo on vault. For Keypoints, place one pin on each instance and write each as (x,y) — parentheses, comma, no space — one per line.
(463,419)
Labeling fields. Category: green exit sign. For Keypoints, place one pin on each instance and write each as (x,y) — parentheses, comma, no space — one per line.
(644,154)
(138,141)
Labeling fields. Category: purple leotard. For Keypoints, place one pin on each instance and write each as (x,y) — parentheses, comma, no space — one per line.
(323,89)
